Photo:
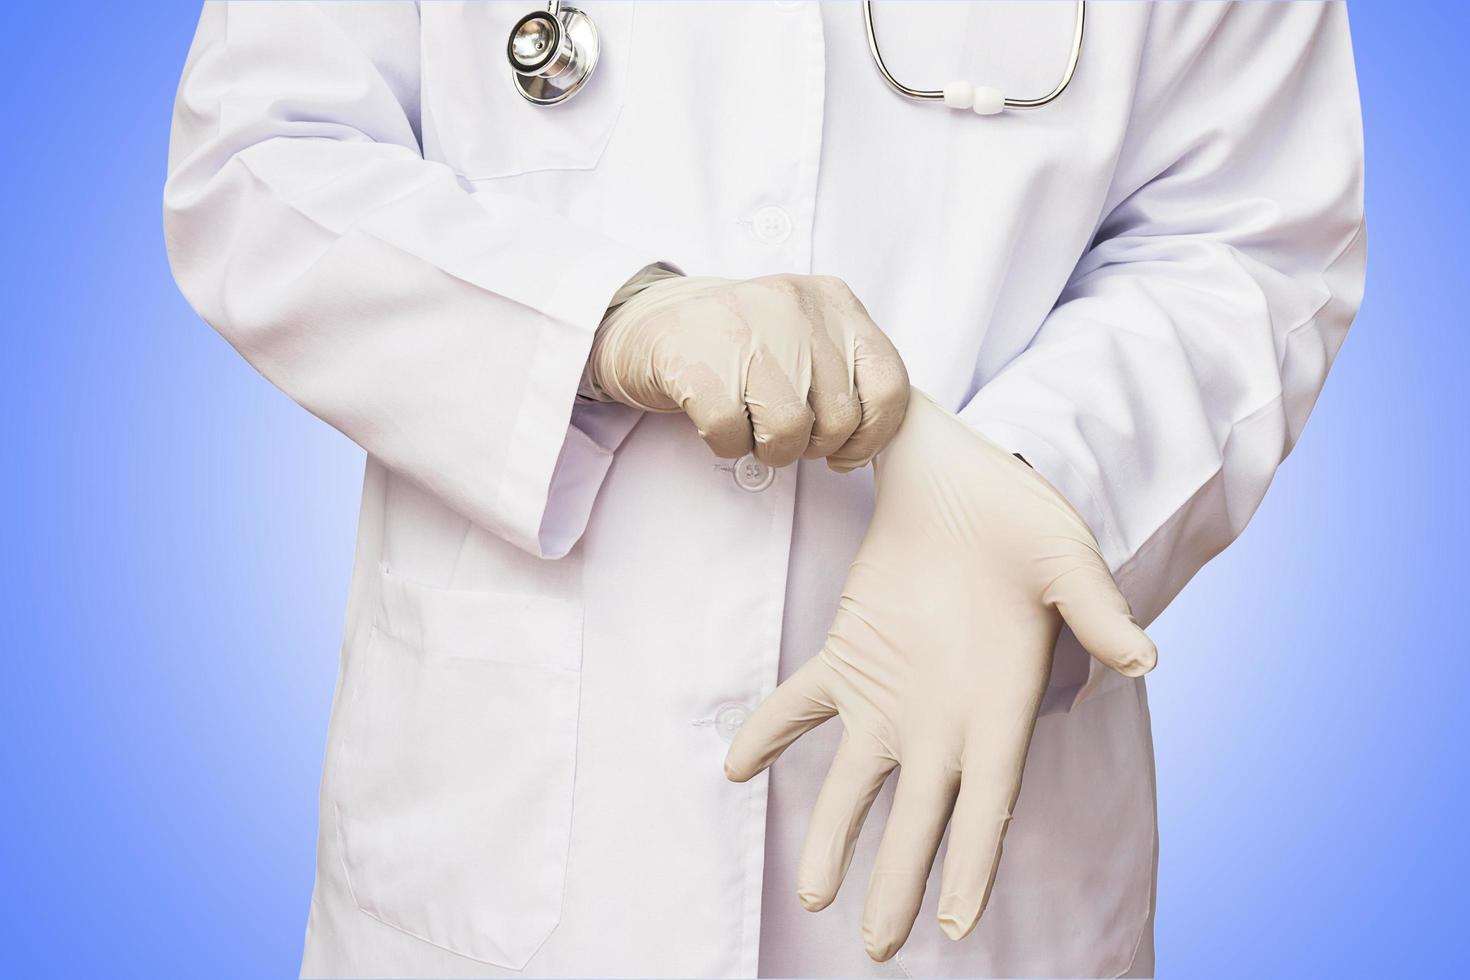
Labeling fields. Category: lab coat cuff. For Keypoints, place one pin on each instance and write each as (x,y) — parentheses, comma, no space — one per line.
(597,429)
(559,451)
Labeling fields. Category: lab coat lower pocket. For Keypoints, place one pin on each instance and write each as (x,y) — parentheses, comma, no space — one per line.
(456,764)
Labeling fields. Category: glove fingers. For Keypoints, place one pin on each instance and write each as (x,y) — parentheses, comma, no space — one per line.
(722,422)
(780,417)
(921,808)
(883,392)
(794,708)
(858,772)
(1089,600)
(833,399)
(981,816)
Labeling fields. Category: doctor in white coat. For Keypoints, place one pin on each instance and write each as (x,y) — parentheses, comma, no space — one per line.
(563,609)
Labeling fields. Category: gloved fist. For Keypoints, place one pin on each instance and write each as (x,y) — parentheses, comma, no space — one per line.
(781,366)
(936,663)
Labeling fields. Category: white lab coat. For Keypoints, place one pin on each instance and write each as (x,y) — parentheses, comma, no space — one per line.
(559,612)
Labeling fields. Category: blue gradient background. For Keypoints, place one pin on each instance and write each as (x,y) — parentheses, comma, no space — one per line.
(177,555)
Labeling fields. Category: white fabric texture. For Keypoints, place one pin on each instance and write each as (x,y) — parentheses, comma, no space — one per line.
(1140,288)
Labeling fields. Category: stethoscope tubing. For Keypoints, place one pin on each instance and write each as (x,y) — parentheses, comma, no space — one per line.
(938,95)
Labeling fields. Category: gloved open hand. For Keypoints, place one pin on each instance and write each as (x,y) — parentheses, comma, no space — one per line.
(936,663)
(781,366)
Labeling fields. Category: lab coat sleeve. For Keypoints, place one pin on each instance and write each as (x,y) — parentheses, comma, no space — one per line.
(1179,365)
(424,320)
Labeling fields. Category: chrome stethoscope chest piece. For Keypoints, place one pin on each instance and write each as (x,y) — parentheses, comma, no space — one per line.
(552,53)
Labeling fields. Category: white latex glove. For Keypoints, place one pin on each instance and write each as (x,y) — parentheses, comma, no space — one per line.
(781,366)
(936,662)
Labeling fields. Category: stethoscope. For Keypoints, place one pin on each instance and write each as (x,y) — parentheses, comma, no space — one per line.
(552,53)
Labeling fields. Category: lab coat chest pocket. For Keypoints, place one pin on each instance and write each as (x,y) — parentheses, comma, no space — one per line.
(457,757)
(475,121)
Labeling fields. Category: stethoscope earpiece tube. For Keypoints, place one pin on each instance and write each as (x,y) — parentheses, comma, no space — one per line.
(982,100)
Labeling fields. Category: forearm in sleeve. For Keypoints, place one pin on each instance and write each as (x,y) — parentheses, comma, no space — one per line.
(369,284)
(1179,366)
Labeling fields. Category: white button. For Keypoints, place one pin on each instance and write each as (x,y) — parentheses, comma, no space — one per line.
(729,718)
(771,225)
(753,475)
